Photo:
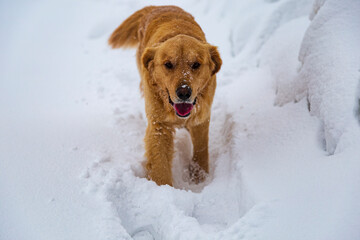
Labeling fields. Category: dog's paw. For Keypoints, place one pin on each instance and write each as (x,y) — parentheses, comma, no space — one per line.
(197,174)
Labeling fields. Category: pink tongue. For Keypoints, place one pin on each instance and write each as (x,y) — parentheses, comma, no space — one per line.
(183,109)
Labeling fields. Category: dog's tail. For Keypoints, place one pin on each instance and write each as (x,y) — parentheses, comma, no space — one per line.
(126,35)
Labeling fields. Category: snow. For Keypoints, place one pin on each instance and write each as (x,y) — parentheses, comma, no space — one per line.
(73,122)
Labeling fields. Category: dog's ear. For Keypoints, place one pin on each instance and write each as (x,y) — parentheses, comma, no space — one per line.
(215,59)
(147,59)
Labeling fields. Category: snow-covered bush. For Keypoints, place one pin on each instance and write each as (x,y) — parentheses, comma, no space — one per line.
(330,71)
(319,60)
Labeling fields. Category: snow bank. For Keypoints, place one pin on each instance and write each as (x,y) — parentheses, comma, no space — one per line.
(248,36)
(280,55)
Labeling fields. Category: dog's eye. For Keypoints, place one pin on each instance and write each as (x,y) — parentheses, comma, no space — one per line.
(195,65)
(168,65)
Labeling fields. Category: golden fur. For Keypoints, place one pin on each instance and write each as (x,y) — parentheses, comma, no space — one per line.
(169,34)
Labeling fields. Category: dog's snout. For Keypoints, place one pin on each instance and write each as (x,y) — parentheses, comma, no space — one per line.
(183,92)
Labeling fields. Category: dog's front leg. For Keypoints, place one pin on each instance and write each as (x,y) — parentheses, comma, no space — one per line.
(159,149)
(200,138)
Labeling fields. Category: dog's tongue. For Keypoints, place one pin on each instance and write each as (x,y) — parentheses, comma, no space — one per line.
(183,109)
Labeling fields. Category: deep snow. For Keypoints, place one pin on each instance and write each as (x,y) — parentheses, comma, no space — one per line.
(72,125)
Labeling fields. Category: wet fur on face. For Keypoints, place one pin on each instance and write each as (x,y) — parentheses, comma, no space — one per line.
(178,79)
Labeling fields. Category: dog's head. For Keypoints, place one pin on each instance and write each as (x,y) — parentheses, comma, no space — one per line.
(182,67)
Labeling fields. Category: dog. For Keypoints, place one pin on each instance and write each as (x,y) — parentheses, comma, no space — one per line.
(178,80)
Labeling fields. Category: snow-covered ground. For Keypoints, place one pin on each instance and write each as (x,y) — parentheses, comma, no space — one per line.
(284,137)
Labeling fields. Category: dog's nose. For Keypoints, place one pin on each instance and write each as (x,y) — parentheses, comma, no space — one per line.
(183,92)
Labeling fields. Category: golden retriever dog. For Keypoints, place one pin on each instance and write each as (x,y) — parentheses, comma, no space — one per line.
(177,68)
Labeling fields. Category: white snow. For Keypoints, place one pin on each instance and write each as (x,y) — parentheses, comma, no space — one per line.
(73,122)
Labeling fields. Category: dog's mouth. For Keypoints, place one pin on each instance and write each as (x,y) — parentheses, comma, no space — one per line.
(182,109)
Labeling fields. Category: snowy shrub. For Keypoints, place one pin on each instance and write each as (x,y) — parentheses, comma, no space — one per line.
(330,65)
